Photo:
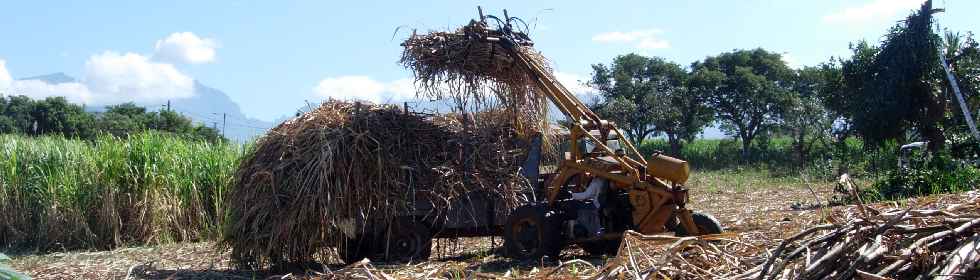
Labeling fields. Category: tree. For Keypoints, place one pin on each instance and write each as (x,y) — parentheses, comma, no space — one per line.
(55,115)
(128,109)
(118,124)
(963,57)
(207,134)
(7,124)
(806,120)
(898,87)
(18,109)
(747,89)
(648,96)
(627,87)
(123,119)
(169,121)
(683,113)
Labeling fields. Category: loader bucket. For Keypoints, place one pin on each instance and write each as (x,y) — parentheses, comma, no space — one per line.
(668,168)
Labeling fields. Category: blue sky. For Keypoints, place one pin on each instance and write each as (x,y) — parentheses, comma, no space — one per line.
(271,56)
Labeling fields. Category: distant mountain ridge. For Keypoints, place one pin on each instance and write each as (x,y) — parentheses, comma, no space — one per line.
(208,106)
(53,78)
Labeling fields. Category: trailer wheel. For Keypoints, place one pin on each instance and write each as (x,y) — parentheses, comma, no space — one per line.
(530,233)
(706,224)
(409,241)
(354,249)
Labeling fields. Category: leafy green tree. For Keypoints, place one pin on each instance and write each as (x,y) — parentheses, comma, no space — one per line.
(806,120)
(893,89)
(208,134)
(7,125)
(128,109)
(682,113)
(18,109)
(118,124)
(747,89)
(963,57)
(123,119)
(170,121)
(648,96)
(55,115)
(628,89)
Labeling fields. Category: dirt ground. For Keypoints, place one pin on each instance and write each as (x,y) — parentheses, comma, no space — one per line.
(766,213)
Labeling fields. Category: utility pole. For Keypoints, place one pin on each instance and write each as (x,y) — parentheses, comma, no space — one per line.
(224,118)
(956,87)
(959,96)
(168,104)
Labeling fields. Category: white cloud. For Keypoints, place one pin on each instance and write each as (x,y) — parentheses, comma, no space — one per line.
(112,78)
(185,47)
(36,89)
(573,82)
(5,78)
(364,88)
(643,39)
(134,77)
(402,88)
(871,11)
(790,60)
(576,84)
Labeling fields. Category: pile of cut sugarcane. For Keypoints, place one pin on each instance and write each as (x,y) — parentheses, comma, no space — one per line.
(930,238)
(926,238)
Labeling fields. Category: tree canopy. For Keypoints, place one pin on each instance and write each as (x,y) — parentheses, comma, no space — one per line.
(747,89)
(55,115)
(897,87)
(648,96)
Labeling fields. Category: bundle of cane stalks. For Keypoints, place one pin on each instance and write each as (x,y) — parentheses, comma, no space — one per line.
(476,68)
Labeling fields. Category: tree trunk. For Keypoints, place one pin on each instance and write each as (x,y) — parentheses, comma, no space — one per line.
(935,137)
(800,150)
(746,147)
(929,126)
(675,145)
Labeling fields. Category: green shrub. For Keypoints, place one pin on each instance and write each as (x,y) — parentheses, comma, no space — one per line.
(939,174)
(778,154)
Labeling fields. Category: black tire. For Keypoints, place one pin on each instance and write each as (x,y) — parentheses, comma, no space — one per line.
(355,249)
(602,247)
(409,241)
(706,224)
(531,233)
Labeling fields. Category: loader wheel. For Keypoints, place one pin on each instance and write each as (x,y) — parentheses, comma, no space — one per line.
(706,224)
(409,241)
(530,233)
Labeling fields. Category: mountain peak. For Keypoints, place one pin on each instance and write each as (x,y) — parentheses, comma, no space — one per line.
(53,78)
